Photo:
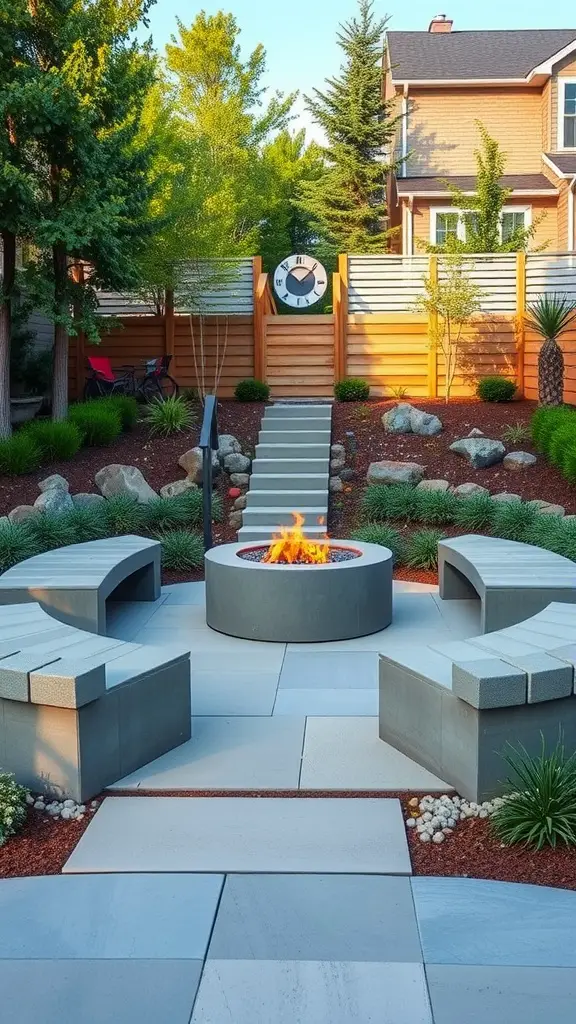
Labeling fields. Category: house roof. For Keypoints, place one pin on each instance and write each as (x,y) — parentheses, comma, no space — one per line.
(565,162)
(529,184)
(461,56)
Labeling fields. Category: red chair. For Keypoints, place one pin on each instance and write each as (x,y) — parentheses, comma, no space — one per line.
(103,381)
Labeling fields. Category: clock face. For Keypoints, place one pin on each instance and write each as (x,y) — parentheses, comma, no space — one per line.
(300,281)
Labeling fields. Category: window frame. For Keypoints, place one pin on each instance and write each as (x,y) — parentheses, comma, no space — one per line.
(526,209)
(562,83)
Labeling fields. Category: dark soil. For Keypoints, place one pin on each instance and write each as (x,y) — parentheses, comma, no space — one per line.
(42,846)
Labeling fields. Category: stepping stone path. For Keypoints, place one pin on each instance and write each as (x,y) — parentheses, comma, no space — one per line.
(290,472)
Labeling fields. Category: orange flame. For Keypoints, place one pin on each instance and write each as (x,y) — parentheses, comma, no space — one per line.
(292,546)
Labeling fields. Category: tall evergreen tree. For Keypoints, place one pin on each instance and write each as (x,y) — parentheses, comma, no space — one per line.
(348,203)
(287,228)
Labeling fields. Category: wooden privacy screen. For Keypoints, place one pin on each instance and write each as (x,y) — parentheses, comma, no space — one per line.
(299,356)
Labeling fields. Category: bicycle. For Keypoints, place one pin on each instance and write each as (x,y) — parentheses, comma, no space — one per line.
(155,384)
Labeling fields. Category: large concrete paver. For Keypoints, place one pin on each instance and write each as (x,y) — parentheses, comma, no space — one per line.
(501,995)
(233,834)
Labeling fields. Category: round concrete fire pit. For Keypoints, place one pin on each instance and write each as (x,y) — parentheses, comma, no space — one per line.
(338,600)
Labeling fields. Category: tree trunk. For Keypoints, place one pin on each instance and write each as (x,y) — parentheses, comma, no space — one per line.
(9,248)
(60,369)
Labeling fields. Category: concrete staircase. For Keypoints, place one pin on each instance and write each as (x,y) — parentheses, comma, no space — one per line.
(290,472)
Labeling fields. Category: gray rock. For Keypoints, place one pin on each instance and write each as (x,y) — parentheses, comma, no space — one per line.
(347,474)
(506,496)
(389,472)
(337,464)
(424,423)
(335,485)
(85,500)
(128,480)
(546,508)
(235,520)
(56,499)
(479,451)
(54,481)
(476,432)
(240,502)
(239,479)
(177,488)
(519,460)
(338,451)
(191,463)
(467,490)
(433,485)
(237,463)
(228,445)
(22,512)
(397,420)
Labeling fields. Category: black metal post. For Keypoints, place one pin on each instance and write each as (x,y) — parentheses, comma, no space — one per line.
(208,444)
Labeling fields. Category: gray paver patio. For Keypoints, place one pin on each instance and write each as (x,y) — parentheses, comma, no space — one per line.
(501,995)
(315,701)
(329,670)
(311,992)
(233,834)
(316,917)
(226,691)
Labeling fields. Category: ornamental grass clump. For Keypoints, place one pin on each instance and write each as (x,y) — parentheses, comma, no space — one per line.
(475,512)
(19,454)
(512,519)
(125,406)
(181,550)
(169,416)
(422,549)
(12,806)
(124,515)
(87,522)
(386,536)
(550,533)
(516,433)
(390,501)
(437,507)
(98,422)
(540,808)
(561,442)
(566,537)
(55,439)
(546,421)
(16,544)
(192,503)
(50,530)
(165,514)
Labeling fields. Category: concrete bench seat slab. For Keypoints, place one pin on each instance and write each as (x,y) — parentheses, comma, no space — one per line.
(79,712)
(453,707)
(73,583)
(512,580)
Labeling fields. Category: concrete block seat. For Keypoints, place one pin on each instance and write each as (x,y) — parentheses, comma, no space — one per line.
(80,711)
(73,583)
(453,706)
(512,580)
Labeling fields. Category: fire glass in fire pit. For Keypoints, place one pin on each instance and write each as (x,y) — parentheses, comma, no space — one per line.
(297,590)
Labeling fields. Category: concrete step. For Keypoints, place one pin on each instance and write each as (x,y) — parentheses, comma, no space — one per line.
(302,423)
(287,482)
(275,517)
(268,436)
(265,534)
(293,451)
(285,499)
(295,465)
(298,411)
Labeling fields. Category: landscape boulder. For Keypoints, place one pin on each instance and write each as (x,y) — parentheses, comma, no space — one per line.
(55,500)
(397,420)
(54,481)
(335,485)
(505,496)
(23,512)
(433,485)
(468,490)
(227,445)
(476,432)
(240,502)
(547,508)
(337,451)
(177,488)
(240,479)
(424,423)
(519,460)
(237,463)
(128,480)
(235,520)
(480,452)
(86,500)
(389,472)
(191,463)
(347,474)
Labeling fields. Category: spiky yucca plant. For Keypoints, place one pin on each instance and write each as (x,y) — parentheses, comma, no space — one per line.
(549,316)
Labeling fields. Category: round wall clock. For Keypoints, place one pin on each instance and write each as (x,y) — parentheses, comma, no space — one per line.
(300,281)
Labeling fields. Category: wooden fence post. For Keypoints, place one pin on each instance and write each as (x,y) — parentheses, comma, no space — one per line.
(169,346)
(338,325)
(342,337)
(432,334)
(520,322)
(259,322)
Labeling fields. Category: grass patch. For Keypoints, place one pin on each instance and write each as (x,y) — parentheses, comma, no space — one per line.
(170,416)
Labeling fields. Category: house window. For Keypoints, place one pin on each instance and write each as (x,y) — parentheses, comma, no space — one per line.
(447,223)
(446,227)
(512,221)
(567,113)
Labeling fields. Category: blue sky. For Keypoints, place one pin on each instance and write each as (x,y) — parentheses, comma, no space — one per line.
(300,35)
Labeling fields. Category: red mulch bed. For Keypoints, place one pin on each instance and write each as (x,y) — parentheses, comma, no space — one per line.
(42,846)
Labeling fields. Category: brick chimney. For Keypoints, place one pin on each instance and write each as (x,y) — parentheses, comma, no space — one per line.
(440,24)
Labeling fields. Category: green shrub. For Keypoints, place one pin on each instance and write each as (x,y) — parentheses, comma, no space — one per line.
(395,501)
(548,532)
(565,537)
(545,421)
(12,806)
(19,454)
(496,389)
(512,519)
(16,544)
(181,550)
(56,440)
(165,514)
(387,536)
(252,390)
(87,522)
(437,507)
(190,395)
(422,549)
(169,416)
(560,442)
(98,422)
(50,530)
(125,406)
(124,515)
(569,463)
(474,513)
(516,433)
(540,809)
(352,389)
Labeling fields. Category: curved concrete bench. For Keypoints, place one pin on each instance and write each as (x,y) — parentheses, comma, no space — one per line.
(80,711)
(512,580)
(74,583)
(453,706)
